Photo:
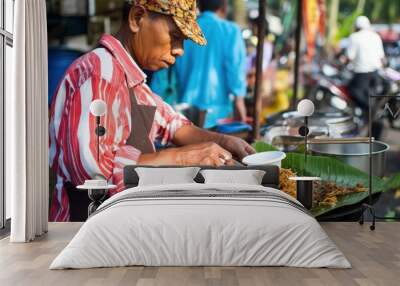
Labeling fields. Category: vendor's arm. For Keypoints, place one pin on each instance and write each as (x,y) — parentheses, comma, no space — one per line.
(351,50)
(207,153)
(192,135)
(199,147)
(195,146)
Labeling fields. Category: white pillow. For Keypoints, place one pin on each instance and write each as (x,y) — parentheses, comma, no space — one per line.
(247,177)
(166,176)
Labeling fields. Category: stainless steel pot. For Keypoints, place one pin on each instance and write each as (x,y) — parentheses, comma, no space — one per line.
(336,124)
(356,154)
(342,127)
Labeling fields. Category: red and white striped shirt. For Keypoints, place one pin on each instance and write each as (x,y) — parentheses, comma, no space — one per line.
(104,73)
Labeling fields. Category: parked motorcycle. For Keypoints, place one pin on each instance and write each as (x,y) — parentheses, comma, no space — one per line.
(329,92)
(391,108)
(392,52)
(327,87)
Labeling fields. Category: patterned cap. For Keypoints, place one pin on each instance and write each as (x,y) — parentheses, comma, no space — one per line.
(182,11)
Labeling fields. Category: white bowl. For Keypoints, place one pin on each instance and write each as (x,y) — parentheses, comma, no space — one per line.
(265,158)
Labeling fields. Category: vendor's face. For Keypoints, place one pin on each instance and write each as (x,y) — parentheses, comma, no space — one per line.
(156,40)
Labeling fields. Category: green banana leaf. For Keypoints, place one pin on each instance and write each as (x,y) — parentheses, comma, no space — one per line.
(261,146)
(331,170)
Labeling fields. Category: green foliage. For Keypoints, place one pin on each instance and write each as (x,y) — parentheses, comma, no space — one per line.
(383,11)
(393,182)
(378,11)
(347,26)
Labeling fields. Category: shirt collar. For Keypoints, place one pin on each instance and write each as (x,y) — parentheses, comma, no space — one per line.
(133,72)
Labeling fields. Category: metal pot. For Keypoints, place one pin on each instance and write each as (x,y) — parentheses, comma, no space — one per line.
(356,154)
(342,127)
(334,124)
(287,139)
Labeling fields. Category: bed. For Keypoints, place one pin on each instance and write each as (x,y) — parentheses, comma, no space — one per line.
(198,224)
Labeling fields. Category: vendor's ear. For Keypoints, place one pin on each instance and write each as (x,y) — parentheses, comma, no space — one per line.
(136,16)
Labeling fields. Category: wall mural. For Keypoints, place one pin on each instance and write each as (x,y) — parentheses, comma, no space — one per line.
(338,146)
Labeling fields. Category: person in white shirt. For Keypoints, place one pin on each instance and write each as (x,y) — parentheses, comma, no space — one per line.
(365,52)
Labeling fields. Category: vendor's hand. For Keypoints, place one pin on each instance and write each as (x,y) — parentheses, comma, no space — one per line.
(238,147)
(208,154)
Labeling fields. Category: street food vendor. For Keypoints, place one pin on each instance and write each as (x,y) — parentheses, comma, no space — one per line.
(151,37)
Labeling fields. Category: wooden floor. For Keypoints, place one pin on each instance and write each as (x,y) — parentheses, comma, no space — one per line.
(375,257)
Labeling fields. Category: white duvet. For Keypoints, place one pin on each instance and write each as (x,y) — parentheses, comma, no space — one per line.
(201,231)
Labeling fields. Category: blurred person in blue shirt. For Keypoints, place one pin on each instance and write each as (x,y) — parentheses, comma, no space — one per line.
(213,77)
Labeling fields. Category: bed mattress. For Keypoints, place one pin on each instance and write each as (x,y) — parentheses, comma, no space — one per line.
(201,225)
